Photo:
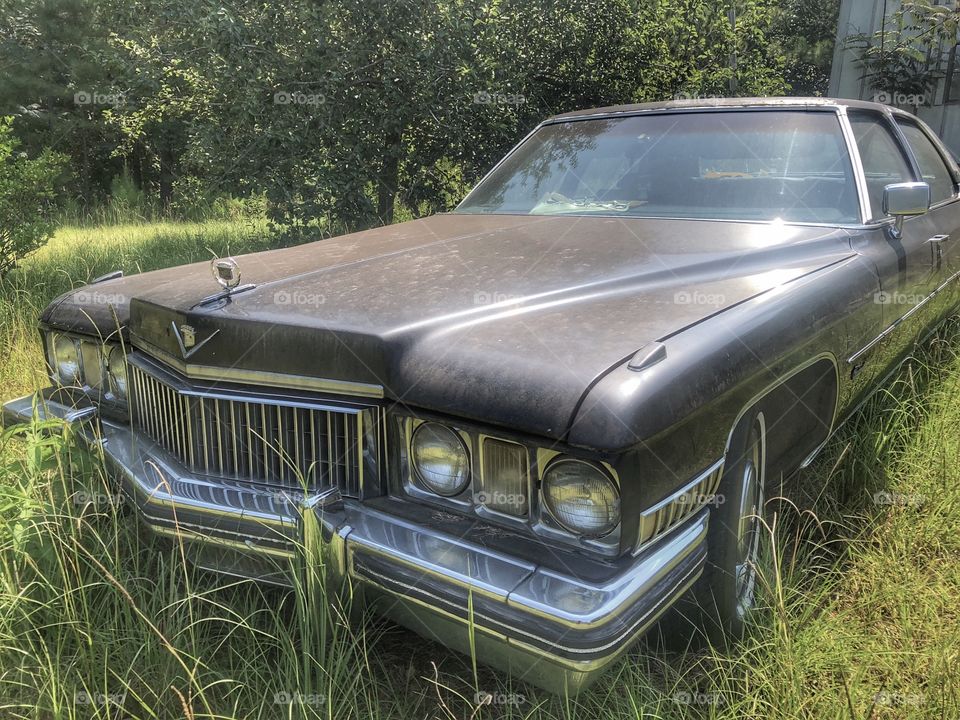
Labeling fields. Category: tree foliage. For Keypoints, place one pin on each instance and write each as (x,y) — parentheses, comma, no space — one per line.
(805,31)
(51,54)
(345,112)
(906,56)
(28,195)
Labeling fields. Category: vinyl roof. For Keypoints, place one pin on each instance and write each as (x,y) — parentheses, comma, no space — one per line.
(798,103)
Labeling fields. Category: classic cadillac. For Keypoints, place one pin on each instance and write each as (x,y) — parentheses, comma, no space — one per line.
(528,427)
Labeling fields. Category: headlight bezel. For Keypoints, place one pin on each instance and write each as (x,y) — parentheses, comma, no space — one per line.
(457,441)
(56,340)
(552,511)
(92,383)
(115,392)
(537,521)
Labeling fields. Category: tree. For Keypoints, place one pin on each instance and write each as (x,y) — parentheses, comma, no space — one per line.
(805,32)
(57,87)
(344,112)
(904,59)
(28,195)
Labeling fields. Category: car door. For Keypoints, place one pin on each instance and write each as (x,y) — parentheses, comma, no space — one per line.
(904,261)
(940,227)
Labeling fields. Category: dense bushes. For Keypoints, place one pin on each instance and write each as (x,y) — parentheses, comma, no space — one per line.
(28,198)
(345,113)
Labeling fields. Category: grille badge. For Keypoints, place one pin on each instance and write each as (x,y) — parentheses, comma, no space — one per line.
(187,339)
(189,336)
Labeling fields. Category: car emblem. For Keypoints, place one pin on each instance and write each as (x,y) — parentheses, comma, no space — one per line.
(226,271)
(188,335)
(187,339)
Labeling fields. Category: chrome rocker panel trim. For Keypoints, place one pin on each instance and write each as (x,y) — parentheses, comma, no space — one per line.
(433,583)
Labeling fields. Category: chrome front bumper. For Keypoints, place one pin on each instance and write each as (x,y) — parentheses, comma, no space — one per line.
(553,629)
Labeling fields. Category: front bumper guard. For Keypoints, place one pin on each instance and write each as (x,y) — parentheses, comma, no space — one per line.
(555,630)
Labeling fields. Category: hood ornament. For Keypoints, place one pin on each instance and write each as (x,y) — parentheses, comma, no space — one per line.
(226,271)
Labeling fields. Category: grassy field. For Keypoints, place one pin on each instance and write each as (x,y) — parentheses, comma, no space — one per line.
(861,615)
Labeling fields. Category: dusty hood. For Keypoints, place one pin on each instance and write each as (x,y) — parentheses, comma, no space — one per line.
(503,319)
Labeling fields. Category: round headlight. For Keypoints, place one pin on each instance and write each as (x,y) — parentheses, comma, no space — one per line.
(581,498)
(66,357)
(117,370)
(440,459)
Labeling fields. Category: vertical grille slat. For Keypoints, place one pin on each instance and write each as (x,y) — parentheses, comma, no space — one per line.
(202,435)
(218,442)
(295,441)
(261,442)
(313,456)
(329,458)
(250,447)
(280,445)
(188,421)
(236,437)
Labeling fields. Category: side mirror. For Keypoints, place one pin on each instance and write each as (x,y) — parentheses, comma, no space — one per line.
(904,200)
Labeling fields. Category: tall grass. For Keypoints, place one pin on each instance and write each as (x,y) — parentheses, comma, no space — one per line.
(861,598)
(75,256)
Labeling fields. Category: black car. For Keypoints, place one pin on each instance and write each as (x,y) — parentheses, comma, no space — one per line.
(531,425)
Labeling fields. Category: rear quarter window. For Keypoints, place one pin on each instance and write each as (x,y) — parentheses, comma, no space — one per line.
(883,160)
(932,166)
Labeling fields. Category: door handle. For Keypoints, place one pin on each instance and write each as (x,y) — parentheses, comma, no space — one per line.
(937,239)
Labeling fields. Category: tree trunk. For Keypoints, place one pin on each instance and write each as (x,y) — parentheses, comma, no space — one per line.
(167,176)
(389,176)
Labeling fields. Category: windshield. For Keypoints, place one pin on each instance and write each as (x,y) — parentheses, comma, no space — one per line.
(741,165)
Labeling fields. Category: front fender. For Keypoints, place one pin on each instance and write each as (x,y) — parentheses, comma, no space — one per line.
(781,348)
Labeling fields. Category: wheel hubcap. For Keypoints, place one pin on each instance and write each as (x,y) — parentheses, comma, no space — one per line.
(748,531)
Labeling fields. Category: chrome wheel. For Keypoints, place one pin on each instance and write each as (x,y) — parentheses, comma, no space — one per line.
(748,528)
(726,594)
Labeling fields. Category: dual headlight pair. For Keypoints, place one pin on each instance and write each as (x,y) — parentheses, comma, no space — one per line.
(579,496)
(87,364)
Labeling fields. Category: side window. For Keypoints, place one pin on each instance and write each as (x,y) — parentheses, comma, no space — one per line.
(883,160)
(932,167)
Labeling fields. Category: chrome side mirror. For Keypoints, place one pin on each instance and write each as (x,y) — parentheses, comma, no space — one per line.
(904,200)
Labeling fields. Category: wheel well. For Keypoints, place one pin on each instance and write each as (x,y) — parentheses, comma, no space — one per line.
(798,415)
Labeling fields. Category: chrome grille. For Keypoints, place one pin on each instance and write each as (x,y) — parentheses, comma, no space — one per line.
(281,443)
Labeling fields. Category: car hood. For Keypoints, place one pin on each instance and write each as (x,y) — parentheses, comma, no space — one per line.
(498,318)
